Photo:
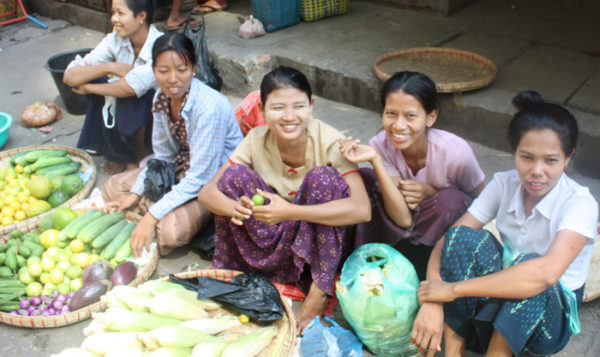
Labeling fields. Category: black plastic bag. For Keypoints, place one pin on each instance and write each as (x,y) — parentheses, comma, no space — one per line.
(250,293)
(204,68)
(204,242)
(160,177)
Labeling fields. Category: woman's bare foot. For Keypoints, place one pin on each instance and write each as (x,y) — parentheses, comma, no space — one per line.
(313,306)
(111,168)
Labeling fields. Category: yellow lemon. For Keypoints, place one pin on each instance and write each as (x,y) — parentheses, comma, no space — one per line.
(49,238)
(56,276)
(76,246)
(82,260)
(20,215)
(19,169)
(15,205)
(22,197)
(44,277)
(7,211)
(6,221)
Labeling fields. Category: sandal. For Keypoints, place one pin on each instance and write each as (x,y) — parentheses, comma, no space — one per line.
(182,24)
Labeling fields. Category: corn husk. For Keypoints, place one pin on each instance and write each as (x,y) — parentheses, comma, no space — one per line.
(192,297)
(135,299)
(94,327)
(175,308)
(158,286)
(102,343)
(173,336)
(170,352)
(212,326)
(211,348)
(125,352)
(74,352)
(250,344)
(112,301)
(122,320)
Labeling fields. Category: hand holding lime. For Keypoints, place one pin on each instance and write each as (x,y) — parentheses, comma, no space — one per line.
(258,199)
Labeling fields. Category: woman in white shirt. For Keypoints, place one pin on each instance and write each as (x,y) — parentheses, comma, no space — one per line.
(118,77)
(523,297)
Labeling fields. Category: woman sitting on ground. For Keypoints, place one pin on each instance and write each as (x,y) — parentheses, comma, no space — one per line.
(313,196)
(195,128)
(423,179)
(523,297)
(118,78)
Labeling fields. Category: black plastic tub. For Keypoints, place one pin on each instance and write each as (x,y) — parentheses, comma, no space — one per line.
(76,104)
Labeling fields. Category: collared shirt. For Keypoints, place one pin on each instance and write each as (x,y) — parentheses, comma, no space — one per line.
(567,206)
(213,134)
(450,162)
(177,129)
(113,48)
(259,151)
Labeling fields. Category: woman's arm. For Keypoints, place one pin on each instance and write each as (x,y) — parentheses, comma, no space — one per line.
(351,210)
(119,89)
(78,75)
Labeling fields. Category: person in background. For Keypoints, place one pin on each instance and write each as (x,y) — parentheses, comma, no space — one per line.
(423,179)
(313,197)
(210,6)
(195,128)
(176,21)
(118,79)
(522,297)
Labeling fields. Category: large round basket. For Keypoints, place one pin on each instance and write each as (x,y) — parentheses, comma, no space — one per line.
(85,312)
(452,70)
(87,166)
(592,284)
(284,343)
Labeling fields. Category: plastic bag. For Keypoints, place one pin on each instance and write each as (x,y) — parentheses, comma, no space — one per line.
(160,177)
(204,68)
(204,242)
(249,293)
(378,295)
(248,112)
(251,28)
(333,341)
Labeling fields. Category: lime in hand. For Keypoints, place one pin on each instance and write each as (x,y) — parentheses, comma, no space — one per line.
(258,199)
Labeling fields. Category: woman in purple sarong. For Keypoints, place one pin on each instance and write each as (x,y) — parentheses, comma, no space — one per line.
(423,179)
(313,196)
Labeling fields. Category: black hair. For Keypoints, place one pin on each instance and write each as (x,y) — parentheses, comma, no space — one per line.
(176,42)
(137,6)
(284,77)
(535,114)
(414,83)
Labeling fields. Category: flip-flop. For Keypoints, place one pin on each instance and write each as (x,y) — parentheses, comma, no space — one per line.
(197,9)
(181,25)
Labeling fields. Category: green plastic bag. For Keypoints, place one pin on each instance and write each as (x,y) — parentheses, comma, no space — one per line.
(377,291)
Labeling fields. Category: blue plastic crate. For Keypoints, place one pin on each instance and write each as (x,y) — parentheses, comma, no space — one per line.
(276,14)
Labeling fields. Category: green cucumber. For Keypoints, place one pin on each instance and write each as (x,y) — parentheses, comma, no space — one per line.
(35,155)
(123,252)
(47,162)
(16,156)
(109,252)
(60,169)
(105,237)
(97,226)
(76,225)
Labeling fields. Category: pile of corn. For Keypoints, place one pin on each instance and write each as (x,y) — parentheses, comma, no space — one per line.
(160,318)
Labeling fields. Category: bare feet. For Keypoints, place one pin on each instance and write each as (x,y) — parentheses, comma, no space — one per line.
(111,168)
(313,306)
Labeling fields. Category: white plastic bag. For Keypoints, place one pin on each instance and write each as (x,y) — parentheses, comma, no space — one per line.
(251,28)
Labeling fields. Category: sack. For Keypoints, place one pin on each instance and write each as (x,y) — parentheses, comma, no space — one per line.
(251,294)
(160,177)
(251,28)
(313,10)
(378,295)
(204,68)
(331,341)
(248,113)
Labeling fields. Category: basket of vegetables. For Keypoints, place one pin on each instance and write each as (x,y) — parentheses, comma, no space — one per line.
(55,276)
(35,180)
(140,322)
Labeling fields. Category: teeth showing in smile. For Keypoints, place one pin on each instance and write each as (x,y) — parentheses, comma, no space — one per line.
(289,127)
(399,136)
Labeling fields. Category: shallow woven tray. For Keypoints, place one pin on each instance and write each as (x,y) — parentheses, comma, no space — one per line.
(285,341)
(452,70)
(83,313)
(75,154)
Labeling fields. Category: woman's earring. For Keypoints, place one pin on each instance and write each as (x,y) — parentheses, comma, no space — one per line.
(141,22)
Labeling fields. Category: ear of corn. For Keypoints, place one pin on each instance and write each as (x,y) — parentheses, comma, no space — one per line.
(125,352)
(158,286)
(250,344)
(112,301)
(101,343)
(94,327)
(211,348)
(175,308)
(212,326)
(134,321)
(74,352)
(170,352)
(135,299)
(192,297)
(173,336)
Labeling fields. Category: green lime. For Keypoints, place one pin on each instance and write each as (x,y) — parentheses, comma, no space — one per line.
(258,199)
(57,198)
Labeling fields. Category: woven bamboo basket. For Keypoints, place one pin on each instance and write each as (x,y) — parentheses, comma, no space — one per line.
(452,70)
(83,313)
(284,343)
(75,154)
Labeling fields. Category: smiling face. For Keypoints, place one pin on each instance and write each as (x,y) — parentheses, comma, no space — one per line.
(405,121)
(540,161)
(122,18)
(173,74)
(288,112)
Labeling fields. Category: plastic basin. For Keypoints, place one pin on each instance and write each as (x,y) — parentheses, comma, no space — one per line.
(76,104)
(5,123)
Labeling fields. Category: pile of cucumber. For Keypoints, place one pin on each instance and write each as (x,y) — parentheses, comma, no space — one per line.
(47,162)
(16,250)
(11,292)
(108,235)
